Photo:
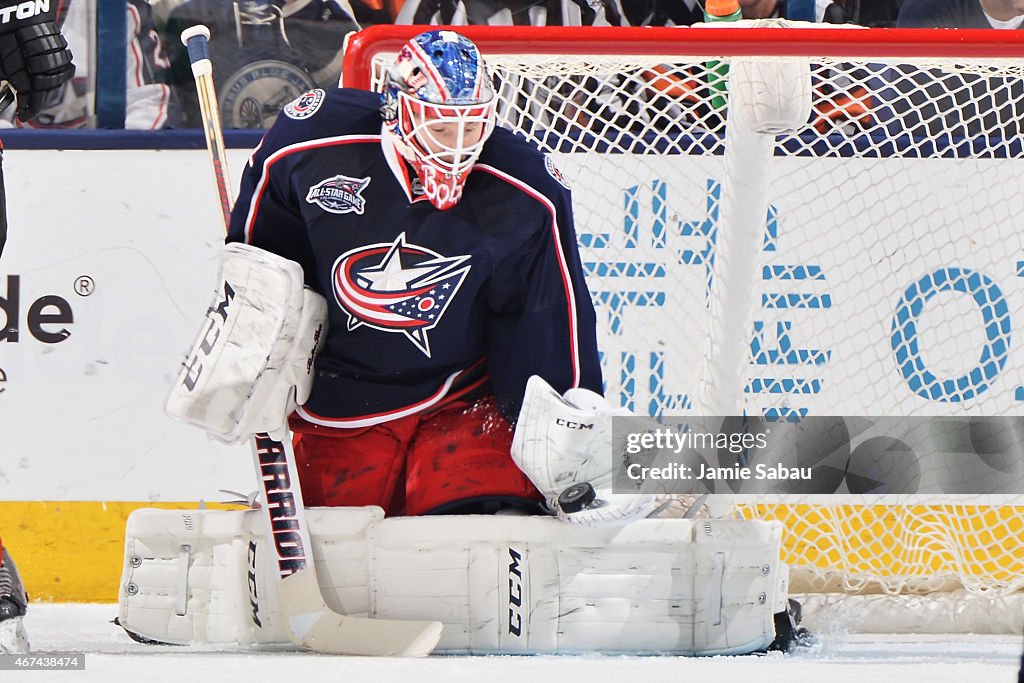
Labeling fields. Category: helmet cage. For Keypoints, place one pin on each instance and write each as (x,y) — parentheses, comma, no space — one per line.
(439,108)
(441,135)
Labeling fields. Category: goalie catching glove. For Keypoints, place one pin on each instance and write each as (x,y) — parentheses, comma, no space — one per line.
(252,361)
(565,443)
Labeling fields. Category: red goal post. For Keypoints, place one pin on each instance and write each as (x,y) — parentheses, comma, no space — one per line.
(868,262)
(362,47)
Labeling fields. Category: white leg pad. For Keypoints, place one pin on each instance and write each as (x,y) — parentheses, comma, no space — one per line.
(206,575)
(499,584)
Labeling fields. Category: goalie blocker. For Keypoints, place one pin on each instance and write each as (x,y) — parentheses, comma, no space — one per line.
(261,333)
(499,584)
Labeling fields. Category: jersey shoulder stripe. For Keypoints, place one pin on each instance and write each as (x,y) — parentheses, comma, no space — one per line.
(517,158)
(275,157)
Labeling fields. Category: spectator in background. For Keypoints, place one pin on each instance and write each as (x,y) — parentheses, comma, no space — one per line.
(265,53)
(148,99)
(844,97)
(963,104)
(626,12)
(1004,14)
(687,12)
(663,12)
(871,13)
(762,9)
(514,12)
(571,12)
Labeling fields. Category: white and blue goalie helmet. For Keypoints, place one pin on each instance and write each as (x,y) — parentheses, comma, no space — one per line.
(438,106)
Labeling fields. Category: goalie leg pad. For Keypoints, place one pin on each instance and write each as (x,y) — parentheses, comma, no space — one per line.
(208,576)
(258,341)
(499,584)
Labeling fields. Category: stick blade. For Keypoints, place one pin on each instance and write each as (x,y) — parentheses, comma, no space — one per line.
(342,635)
(314,626)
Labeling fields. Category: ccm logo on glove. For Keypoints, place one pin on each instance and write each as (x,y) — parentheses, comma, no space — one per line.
(218,317)
(572,425)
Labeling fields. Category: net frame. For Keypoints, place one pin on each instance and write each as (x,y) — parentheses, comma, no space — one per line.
(976,552)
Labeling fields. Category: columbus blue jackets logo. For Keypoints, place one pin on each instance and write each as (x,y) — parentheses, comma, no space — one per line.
(555,172)
(305,105)
(398,287)
(339,194)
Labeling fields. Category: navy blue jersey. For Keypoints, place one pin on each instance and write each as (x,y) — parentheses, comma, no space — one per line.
(942,13)
(424,304)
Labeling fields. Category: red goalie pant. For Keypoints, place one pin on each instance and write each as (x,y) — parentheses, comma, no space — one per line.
(413,465)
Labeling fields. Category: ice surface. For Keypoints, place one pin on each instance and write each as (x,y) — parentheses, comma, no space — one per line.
(112,656)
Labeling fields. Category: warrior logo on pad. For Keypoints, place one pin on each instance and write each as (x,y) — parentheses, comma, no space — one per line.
(339,194)
(398,288)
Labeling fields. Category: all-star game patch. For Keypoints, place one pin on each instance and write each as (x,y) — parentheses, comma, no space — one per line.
(339,194)
(305,105)
(555,173)
(255,94)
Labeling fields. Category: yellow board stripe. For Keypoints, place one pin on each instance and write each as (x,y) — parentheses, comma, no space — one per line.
(72,551)
(982,546)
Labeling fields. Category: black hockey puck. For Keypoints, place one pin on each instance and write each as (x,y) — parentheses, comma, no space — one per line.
(576,497)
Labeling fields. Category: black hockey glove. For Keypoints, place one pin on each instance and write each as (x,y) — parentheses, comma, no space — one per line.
(34,57)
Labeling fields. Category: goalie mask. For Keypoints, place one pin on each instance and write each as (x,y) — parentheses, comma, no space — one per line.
(438,106)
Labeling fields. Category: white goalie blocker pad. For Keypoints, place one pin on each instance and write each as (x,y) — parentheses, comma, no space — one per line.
(565,440)
(258,341)
(498,584)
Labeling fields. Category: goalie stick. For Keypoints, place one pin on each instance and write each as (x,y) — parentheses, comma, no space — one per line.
(7,97)
(310,622)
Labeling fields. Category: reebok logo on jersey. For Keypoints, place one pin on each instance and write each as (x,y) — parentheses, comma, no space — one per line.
(305,105)
(24,10)
(339,194)
(398,288)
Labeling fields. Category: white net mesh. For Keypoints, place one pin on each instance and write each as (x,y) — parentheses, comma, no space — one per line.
(887,273)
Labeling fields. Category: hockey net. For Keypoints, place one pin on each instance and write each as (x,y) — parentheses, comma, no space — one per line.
(870,264)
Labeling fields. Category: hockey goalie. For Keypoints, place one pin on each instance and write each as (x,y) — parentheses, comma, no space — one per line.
(401,286)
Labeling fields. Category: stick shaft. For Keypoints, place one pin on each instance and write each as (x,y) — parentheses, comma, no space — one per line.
(215,144)
(196,39)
